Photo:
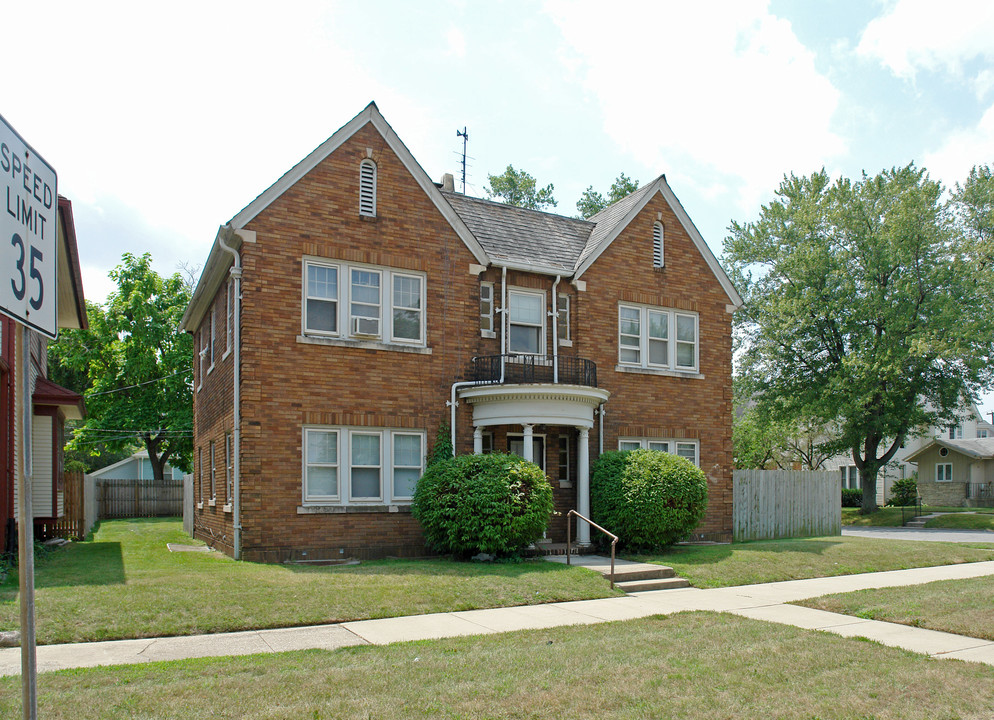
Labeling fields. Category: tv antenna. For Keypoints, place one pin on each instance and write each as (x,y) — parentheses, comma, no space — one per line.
(465,137)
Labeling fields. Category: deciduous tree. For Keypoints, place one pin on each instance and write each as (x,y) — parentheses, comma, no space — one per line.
(518,188)
(867,308)
(592,202)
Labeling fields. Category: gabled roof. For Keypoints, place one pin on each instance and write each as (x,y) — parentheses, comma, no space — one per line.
(48,393)
(615,218)
(523,237)
(978,449)
(71,306)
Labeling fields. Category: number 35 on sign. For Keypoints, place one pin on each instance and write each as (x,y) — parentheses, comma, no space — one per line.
(28,234)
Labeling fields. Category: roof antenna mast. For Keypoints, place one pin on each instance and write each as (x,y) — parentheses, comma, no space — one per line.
(465,137)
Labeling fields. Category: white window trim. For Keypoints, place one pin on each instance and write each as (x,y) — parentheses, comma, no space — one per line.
(213,472)
(393,465)
(344,498)
(948,474)
(229,318)
(203,358)
(343,304)
(228,466)
(563,310)
(367,163)
(671,339)
(420,310)
(380,320)
(511,291)
(213,337)
(487,332)
(643,442)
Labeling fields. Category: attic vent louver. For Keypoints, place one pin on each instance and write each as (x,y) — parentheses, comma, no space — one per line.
(367,188)
(657,245)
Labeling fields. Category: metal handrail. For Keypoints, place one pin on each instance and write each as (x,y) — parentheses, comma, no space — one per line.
(569,539)
(915,510)
(521,368)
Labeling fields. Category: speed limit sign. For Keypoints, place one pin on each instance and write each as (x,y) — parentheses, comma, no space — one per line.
(28,234)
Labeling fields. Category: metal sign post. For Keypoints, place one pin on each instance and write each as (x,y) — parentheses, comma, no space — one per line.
(28,293)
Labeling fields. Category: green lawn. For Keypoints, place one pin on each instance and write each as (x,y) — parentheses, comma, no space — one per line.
(963,607)
(963,521)
(125,583)
(775,560)
(690,665)
(891,517)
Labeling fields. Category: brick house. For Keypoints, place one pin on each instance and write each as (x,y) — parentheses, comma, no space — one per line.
(356,305)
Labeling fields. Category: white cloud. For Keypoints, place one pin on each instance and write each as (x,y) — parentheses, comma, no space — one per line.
(961,150)
(915,35)
(456,42)
(724,93)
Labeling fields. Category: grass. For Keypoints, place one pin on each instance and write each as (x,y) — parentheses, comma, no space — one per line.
(884,517)
(701,665)
(776,560)
(962,521)
(124,583)
(958,606)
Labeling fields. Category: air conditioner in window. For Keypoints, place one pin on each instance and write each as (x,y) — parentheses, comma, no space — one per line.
(366,326)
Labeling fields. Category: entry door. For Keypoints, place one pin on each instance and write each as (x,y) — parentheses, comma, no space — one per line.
(516,446)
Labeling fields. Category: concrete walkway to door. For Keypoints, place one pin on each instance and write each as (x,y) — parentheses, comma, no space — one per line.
(762,602)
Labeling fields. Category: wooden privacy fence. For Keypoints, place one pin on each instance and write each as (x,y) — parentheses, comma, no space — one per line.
(139,498)
(72,524)
(772,504)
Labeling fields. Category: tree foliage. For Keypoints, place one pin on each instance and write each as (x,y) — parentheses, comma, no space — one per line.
(136,364)
(592,202)
(867,307)
(518,188)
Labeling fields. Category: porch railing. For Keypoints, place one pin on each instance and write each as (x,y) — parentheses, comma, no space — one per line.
(910,512)
(565,369)
(982,494)
(569,539)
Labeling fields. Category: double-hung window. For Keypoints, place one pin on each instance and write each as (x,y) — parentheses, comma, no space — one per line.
(944,472)
(526,322)
(361,466)
(213,472)
(684,448)
(360,302)
(228,467)
(364,311)
(408,314)
(562,319)
(203,358)
(230,315)
(213,334)
(487,307)
(657,338)
(321,300)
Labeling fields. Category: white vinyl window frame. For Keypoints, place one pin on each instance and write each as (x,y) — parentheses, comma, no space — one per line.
(365,315)
(230,316)
(683,447)
(344,463)
(228,467)
(537,327)
(563,319)
(658,338)
(955,432)
(487,308)
(203,358)
(389,305)
(213,471)
(354,465)
(400,304)
(213,337)
(565,445)
(200,465)
(943,472)
(396,465)
(367,188)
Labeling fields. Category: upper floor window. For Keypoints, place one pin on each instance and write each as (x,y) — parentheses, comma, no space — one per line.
(230,315)
(213,336)
(367,188)
(526,322)
(487,307)
(657,245)
(657,338)
(956,432)
(982,433)
(562,319)
(381,303)
(203,357)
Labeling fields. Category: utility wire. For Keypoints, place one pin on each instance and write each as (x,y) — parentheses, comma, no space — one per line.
(131,387)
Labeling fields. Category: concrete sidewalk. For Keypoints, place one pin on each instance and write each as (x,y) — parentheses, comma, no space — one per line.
(761,602)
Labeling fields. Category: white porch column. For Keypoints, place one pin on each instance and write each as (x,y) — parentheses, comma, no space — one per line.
(528,451)
(477,440)
(583,485)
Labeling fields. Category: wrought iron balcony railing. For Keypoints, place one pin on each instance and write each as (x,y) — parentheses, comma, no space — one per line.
(523,369)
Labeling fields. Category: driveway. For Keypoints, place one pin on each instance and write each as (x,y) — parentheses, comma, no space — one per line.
(924,534)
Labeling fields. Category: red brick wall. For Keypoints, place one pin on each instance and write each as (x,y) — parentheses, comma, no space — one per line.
(287,384)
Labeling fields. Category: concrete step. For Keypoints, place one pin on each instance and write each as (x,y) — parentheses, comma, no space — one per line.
(670,583)
(641,572)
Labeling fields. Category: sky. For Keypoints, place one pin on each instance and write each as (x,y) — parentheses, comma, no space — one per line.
(163,120)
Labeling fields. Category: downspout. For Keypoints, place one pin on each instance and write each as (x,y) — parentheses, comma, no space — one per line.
(503,320)
(555,330)
(236,507)
(453,404)
(600,433)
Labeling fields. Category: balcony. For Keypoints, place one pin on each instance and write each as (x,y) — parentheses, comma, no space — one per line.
(534,369)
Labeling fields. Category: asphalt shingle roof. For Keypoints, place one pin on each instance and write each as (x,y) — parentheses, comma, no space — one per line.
(515,234)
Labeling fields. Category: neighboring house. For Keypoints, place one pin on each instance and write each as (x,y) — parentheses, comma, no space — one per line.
(355,306)
(136,467)
(52,405)
(956,472)
(971,425)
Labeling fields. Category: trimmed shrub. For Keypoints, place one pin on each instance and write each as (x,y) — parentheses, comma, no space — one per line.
(647,498)
(494,503)
(852,497)
(905,492)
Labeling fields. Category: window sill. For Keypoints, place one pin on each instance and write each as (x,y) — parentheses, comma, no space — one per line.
(565,343)
(344,509)
(212,503)
(363,344)
(226,508)
(226,354)
(565,483)
(200,506)
(210,369)
(662,373)
(489,334)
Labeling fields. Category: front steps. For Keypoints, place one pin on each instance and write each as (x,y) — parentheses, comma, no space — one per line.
(628,576)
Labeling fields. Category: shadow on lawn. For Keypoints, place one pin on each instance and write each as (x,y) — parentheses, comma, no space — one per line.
(436,566)
(708,554)
(98,563)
